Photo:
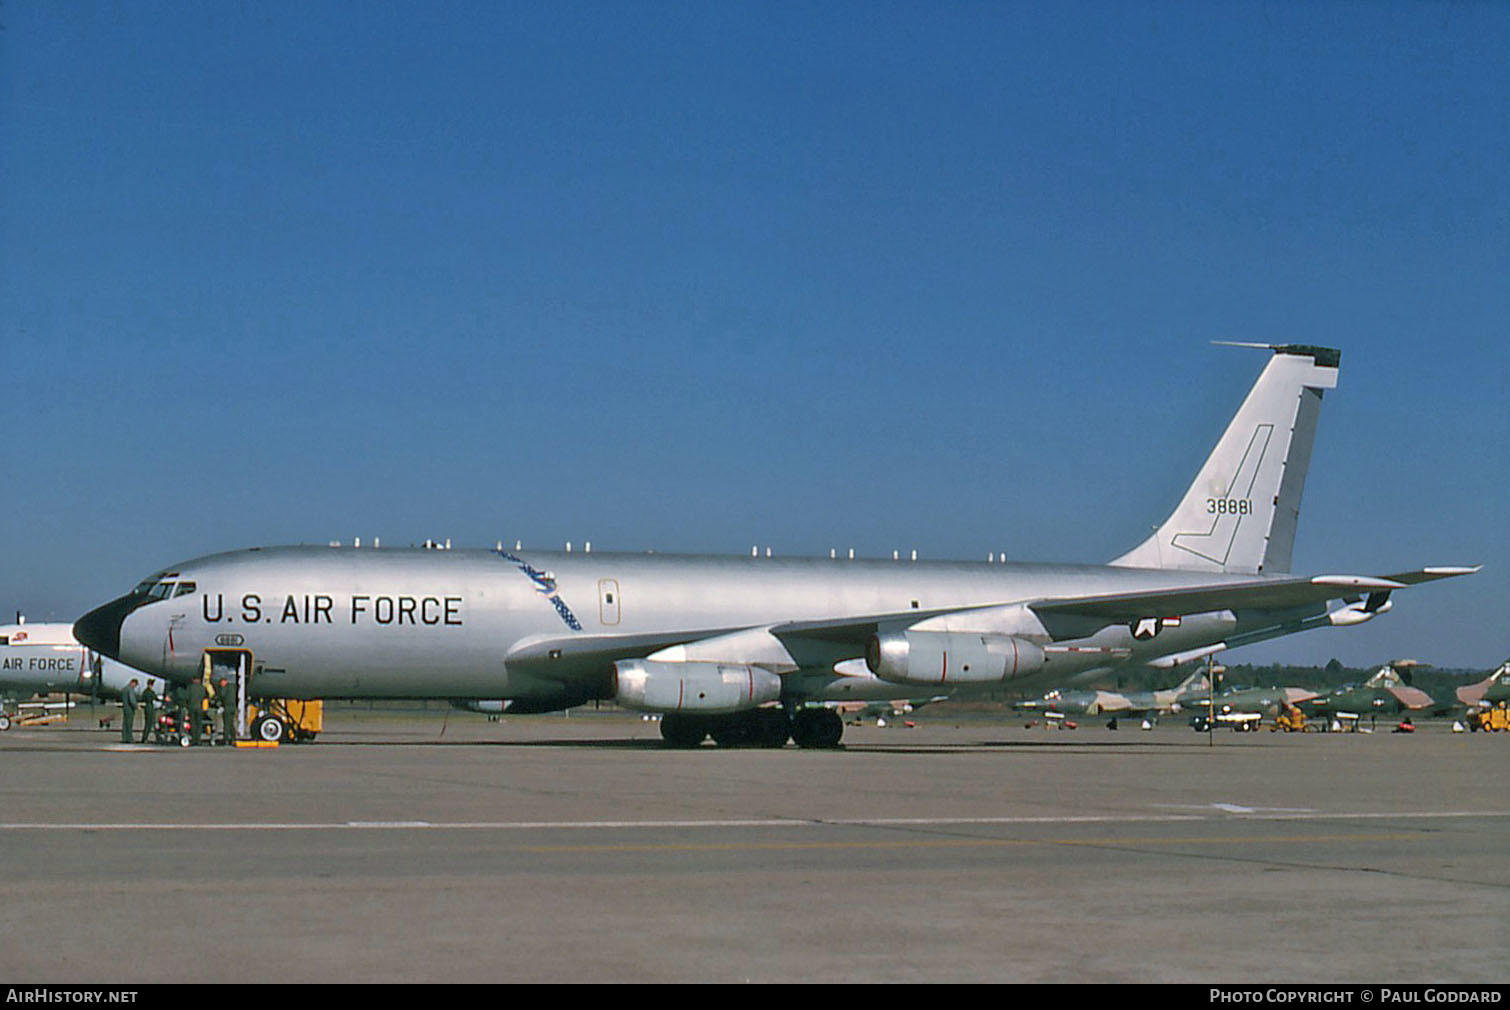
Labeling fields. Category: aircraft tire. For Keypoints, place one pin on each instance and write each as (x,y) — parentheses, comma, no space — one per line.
(732,730)
(269,729)
(682,731)
(817,728)
(770,728)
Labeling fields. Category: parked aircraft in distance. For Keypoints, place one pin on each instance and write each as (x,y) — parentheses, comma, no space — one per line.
(758,648)
(1257,700)
(47,659)
(1491,690)
(879,711)
(1391,690)
(1190,691)
(1388,691)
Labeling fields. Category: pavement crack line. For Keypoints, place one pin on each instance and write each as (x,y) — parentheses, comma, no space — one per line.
(1156,846)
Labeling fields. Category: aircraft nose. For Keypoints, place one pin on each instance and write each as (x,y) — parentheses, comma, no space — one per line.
(100,629)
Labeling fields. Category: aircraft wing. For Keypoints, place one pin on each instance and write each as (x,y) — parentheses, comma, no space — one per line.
(1432,574)
(1260,594)
(857,630)
(820,643)
(542,654)
(813,644)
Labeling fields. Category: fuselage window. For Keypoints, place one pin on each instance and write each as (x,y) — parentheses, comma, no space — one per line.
(185,588)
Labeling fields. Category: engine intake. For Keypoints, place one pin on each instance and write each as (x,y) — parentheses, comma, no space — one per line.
(951,657)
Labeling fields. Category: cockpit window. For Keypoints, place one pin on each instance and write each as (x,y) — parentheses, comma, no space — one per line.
(158,587)
(184,589)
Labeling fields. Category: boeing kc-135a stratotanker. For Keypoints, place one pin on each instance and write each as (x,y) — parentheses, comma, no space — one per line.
(750,650)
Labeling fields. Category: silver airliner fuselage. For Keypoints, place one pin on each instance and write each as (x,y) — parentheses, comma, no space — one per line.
(329,622)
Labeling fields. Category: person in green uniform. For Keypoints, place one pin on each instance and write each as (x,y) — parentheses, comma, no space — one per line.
(129,700)
(227,694)
(195,699)
(149,711)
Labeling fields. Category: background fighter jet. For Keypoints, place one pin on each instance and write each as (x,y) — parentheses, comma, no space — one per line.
(1191,691)
(1387,692)
(879,711)
(1259,700)
(753,649)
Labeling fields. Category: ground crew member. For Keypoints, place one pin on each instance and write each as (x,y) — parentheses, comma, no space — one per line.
(128,709)
(196,710)
(149,711)
(227,711)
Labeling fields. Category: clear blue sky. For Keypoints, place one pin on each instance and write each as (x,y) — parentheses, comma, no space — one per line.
(706,275)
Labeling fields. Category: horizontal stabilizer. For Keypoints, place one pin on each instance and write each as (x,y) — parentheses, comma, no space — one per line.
(1265,594)
(1421,575)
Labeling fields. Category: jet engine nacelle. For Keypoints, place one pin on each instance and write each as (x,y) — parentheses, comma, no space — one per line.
(652,686)
(951,657)
(1358,613)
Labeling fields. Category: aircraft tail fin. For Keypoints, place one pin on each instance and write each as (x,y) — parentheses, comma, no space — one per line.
(1240,513)
(1195,682)
(1473,694)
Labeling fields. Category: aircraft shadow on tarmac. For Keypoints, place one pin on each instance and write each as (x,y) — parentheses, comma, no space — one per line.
(652,745)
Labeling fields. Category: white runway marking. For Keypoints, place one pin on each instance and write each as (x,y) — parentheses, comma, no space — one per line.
(775,822)
(1237,808)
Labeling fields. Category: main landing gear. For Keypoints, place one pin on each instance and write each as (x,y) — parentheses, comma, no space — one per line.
(760,727)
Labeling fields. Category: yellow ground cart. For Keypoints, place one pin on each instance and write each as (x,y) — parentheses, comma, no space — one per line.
(286,720)
(1291,720)
(1490,720)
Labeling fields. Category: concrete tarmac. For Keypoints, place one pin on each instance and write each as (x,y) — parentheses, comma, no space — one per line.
(441,847)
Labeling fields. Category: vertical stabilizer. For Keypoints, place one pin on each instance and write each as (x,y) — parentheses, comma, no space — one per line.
(1495,687)
(1195,682)
(1241,512)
